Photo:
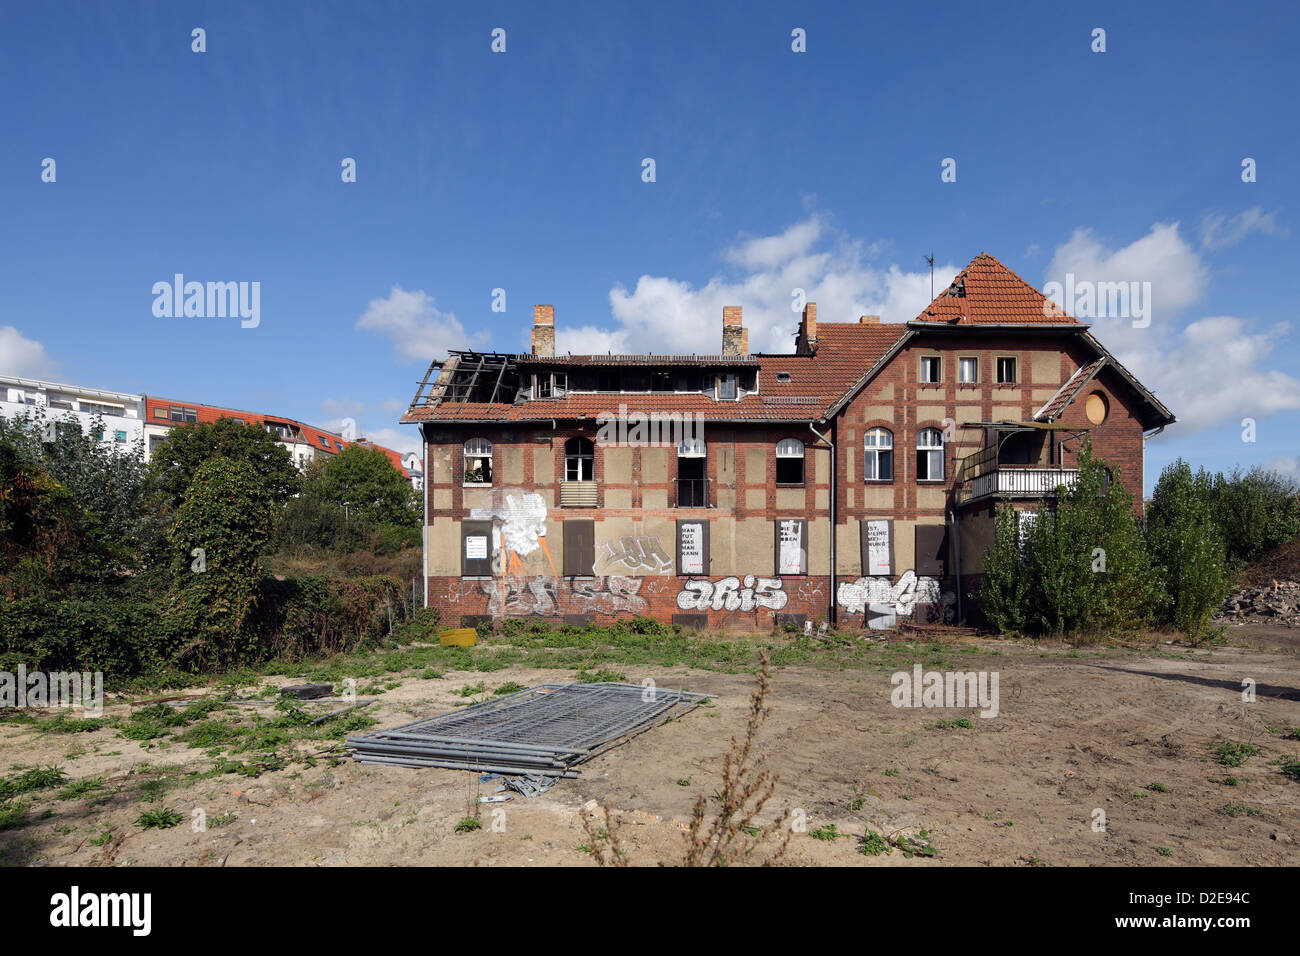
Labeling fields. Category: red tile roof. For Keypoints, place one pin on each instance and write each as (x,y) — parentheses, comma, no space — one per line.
(988,293)
(303,433)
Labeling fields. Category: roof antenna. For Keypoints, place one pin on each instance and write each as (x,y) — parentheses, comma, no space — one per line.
(930,259)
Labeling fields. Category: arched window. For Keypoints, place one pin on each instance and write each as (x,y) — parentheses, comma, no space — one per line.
(789,462)
(878,458)
(478,462)
(579,460)
(929,455)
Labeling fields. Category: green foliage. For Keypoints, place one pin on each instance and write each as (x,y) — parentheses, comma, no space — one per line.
(364,482)
(1004,588)
(1083,565)
(161,818)
(227,513)
(1188,546)
(1256,511)
(176,463)
(314,614)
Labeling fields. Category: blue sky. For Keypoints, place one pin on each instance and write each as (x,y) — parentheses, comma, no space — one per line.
(522,171)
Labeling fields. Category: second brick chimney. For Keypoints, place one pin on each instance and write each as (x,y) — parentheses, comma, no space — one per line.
(735,337)
(806,341)
(544,330)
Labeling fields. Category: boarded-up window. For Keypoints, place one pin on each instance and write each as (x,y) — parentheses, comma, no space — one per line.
(692,547)
(877,546)
(791,544)
(476,549)
(931,550)
(579,547)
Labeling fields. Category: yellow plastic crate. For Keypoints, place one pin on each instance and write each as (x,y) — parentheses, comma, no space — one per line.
(458,637)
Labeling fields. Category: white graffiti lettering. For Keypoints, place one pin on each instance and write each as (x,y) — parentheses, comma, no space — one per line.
(887,601)
(700,594)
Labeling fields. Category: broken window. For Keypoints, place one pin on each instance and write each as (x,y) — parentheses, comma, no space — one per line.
(579,459)
(789,462)
(930,369)
(478,462)
(1006,370)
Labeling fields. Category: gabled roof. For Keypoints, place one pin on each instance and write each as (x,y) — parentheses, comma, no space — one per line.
(988,293)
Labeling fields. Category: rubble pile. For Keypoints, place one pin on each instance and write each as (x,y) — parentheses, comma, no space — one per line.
(1276,603)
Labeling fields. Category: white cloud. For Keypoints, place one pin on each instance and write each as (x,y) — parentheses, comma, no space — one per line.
(399,439)
(1219,232)
(1208,371)
(1287,466)
(23,356)
(667,315)
(416,327)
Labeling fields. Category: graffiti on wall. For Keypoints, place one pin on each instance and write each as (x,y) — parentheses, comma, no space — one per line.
(884,601)
(642,554)
(549,596)
(727,594)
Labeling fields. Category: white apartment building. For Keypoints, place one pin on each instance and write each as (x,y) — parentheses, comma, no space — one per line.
(122,413)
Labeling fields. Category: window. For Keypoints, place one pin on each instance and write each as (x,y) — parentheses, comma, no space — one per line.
(783,377)
(930,368)
(155,442)
(607,382)
(238,421)
(160,412)
(579,460)
(726,387)
(187,416)
(119,436)
(1006,369)
(789,462)
(931,550)
(692,483)
(478,462)
(1097,408)
(324,442)
(929,455)
(968,370)
(878,463)
(543,386)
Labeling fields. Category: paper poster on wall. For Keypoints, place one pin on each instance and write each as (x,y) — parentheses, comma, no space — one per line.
(878,548)
(476,546)
(792,547)
(692,548)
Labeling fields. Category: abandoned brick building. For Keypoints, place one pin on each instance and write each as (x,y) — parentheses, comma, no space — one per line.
(853,480)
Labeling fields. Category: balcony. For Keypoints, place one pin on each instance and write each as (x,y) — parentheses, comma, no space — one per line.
(981,476)
(578,494)
(692,492)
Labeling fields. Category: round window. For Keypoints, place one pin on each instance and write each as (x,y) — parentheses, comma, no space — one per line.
(1096,407)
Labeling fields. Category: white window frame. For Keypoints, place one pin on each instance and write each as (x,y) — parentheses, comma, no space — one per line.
(924,444)
(938,369)
(961,365)
(876,440)
(1015,369)
(476,449)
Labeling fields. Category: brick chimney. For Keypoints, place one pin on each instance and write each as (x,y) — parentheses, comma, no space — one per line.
(735,337)
(806,341)
(869,320)
(544,330)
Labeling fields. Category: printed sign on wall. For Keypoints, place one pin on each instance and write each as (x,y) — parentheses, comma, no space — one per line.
(790,539)
(878,548)
(476,546)
(691,547)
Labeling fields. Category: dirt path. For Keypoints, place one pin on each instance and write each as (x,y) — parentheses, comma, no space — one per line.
(1076,736)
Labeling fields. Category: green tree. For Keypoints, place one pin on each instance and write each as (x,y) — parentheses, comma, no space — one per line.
(1188,547)
(1086,558)
(176,462)
(1256,511)
(365,484)
(216,540)
(1004,586)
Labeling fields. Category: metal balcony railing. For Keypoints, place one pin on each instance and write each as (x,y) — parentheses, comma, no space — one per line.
(1017,482)
(692,492)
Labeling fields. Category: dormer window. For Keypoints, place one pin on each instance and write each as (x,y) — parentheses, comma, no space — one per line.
(783,377)
(726,387)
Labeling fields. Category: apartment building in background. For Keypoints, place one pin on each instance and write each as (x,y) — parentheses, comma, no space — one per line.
(852,480)
(122,413)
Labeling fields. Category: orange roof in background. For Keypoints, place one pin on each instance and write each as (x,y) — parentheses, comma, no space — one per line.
(303,433)
(987,293)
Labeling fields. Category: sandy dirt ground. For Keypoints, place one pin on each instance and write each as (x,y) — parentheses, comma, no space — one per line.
(1078,734)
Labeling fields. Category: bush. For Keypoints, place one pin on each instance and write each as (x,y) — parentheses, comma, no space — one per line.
(1004,588)
(316,614)
(1256,512)
(1189,549)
